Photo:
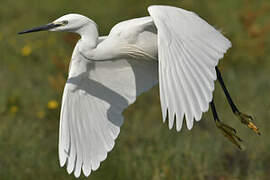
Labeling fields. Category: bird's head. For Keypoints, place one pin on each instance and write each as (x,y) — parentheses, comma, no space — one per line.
(69,22)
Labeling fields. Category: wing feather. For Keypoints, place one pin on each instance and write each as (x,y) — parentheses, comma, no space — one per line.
(94,97)
(188,50)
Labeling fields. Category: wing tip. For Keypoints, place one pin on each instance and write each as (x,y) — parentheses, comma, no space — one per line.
(190,125)
(77,172)
(62,161)
(86,170)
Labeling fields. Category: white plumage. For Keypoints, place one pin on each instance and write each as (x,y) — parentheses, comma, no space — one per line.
(172,46)
(92,107)
(188,49)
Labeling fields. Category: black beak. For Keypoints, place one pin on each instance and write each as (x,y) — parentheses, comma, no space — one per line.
(41,28)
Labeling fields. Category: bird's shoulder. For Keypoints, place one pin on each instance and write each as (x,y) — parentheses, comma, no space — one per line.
(132,27)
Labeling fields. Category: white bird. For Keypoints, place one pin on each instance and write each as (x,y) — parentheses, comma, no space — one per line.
(172,46)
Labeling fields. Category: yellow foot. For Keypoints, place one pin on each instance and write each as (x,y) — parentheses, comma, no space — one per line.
(247,120)
(229,133)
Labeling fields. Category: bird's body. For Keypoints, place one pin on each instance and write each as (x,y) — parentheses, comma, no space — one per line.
(135,38)
(172,46)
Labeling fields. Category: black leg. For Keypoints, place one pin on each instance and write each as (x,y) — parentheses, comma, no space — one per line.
(227,131)
(220,79)
(245,119)
(214,112)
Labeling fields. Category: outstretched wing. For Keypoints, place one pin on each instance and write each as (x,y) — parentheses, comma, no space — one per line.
(188,51)
(94,97)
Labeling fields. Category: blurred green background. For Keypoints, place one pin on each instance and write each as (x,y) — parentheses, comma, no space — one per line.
(33,70)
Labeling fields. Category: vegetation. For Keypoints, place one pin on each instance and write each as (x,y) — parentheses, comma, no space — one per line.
(33,70)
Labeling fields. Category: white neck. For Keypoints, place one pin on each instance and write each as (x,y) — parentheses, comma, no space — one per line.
(89,36)
(88,44)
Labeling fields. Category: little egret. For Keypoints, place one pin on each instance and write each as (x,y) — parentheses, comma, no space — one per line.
(172,46)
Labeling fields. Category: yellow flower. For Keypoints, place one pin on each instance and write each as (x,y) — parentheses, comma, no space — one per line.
(13,109)
(40,114)
(26,50)
(53,104)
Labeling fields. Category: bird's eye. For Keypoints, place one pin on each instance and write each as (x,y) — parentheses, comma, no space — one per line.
(65,22)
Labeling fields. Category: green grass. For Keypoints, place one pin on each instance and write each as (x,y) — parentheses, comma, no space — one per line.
(145,148)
